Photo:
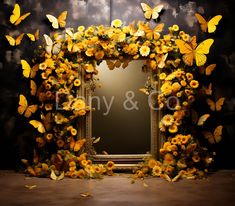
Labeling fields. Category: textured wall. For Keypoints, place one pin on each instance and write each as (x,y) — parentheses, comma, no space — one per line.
(13,136)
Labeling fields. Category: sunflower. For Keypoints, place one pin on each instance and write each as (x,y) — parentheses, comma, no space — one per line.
(169,159)
(162,76)
(157,170)
(60,143)
(49,137)
(99,55)
(189,76)
(176,86)
(116,23)
(168,120)
(196,158)
(185,37)
(110,165)
(84,163)
(151,163)
(73,131)
(175,27)
(181,163)
(43,66)
(173,128)
(144,51)
(169,169)
(77,82)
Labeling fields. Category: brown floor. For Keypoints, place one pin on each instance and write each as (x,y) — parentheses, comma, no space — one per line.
(217,189)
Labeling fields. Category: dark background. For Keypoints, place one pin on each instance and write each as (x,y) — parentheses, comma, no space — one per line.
(15,138)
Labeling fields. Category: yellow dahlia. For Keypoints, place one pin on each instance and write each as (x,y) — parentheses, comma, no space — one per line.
(144,51)
(168,120)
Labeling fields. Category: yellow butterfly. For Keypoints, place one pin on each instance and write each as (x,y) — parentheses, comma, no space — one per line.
(216,106)
(210,69)
(191,52)
(15,18)
(113,64)
(54,177)
(210,25)
(47,120)
(35,36)
(38,125)
(24,108)
(26,68)
(151,13)
(203,119)
(77,145)
(50,46)
(14,41)
(34,70)
(58,22)
(33,88)
(152,33)
(216,136)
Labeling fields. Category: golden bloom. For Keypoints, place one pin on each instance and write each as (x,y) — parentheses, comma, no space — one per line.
(43,66)
(176,86)
(181,163)
(166,88)
(49,137)
(162,127)
(153,64)
(84,163)
(162,76)
(90,52)
(183,83)
(99,55)
(173,128)
(131,49)
(81,173)
(169,169)
(168,120)
(175,27)
(181,33)
(185,37)
(185,138)
(77,82)
(89,68)
(81,28)
(79,104)
(196,158)
(73,131)
(194,84)
(144,51)
(169,159)
(157,170)
(41,142)
(151,163)
(116,23)
(189,76)
(72,164)
(48,107)
(60,143)
(121,37)
(110,165)
(174,141)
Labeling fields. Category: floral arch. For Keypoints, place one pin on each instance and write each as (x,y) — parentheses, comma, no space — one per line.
(68,60)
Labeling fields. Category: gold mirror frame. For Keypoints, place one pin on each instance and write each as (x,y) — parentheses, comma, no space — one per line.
(122,161)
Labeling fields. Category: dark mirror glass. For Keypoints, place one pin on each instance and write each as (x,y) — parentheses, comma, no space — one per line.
(122,115)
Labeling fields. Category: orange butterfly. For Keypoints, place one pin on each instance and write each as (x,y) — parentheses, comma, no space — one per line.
(216,106)
(191,51)
(15,18)
(38,125)
(208,91)
(77,145)
(215,137)
(203,119)
(33,88)
(24,108)
(47,121)
(152,33)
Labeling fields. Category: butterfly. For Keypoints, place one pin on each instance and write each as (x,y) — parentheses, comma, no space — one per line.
(151,13)
(203,119)
(192,51)
(161,60)
(209,26)
(58,22)
(216,106)
(208,91)
(38,125)
(208,70)
(14,41)
(77,145)
(51,47)
(15,18)
(26,68)
(35,36)
(33,88)
(47,120)
(113,64)
(34,70)
(215,137)
(24,108)
(152,34)
(54,177)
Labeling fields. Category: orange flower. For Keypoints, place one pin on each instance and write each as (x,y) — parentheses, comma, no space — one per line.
(169,159)
(194,84)
(110,165)
(60,143)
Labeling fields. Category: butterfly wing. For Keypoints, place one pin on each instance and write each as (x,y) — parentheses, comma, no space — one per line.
(156,11)
(213,23)
(34,71)
(202,22)
(62,19)
(203,119)
(47,120)
(26,68)
(219,104)
(78,144)
(53,175)
(208,91)
(61,176)
(210,69)
(157,30)
(19,39)
(53,20)
(209,136)
(23,104)
(15,14)
(211,104)
(10,39)
(48,43)
(30,110)
(202,49)
(56,48)
(147,10)
(31,37)
(33,88)
(22,18)
(218,133)
(38,125)
(110,64)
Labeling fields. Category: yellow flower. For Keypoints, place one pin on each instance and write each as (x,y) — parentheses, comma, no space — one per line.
(166,88)
(169,169)
(81,173)
(185,138)
(181,33)
(181,163)
(90,52)
(196,158)
(183,83)
(153,64)
(89,68)
(168,120)
(81,28)
(43,66)
(157,170)
(99,55)
(77,82)
(152,163)
(189,76)
(48,107)
(144,50)
(131,49)
(116,23)
(175,27)
(60,143)
(110,165)
(185,37)
(84,163)
(73,131)
(162,127)
(169,159)
(162,76)
(49,137)
(121,37)
(173,128)
(176,86)
(194,84)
